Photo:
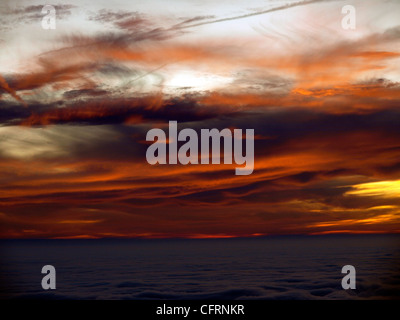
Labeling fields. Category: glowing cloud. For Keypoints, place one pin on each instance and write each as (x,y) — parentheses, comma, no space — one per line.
(386,189)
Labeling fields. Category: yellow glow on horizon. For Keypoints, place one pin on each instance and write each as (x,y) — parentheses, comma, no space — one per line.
(386,189)
(372,220)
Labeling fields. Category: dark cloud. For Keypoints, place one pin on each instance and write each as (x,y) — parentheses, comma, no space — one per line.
(33,13)
(115,111)
(114,69)
(135,27)
(124,20)
(105,15)
(73,94)
(11,112)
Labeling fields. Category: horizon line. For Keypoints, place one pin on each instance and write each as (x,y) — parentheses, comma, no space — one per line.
(210,237)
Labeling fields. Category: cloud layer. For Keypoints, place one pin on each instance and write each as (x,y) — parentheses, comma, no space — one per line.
(323,102)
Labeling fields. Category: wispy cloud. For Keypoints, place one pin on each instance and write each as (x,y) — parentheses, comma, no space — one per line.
(323,103)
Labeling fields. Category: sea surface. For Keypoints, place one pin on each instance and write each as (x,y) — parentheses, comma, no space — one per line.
(281,267)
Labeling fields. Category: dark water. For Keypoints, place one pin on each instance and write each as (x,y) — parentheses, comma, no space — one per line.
(295,267)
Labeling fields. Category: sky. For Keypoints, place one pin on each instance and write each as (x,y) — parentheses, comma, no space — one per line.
(76,103)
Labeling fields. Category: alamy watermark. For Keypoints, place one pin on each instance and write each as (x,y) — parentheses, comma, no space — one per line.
(49,280)
(192,149)
(349,20)
(49,20)
(349,280)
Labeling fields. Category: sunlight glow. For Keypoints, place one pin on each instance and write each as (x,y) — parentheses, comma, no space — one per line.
(386,189)
(195,81)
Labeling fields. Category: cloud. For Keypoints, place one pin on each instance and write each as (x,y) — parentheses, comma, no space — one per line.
(63,11)
(124,20)
(73,94)
(260,12)
(324,108)
(4,85)
(33,13)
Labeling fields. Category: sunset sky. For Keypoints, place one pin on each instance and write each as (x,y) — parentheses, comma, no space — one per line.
(76,104)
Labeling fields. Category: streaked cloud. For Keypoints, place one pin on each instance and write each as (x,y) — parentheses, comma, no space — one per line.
(390,189)
(75,106)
